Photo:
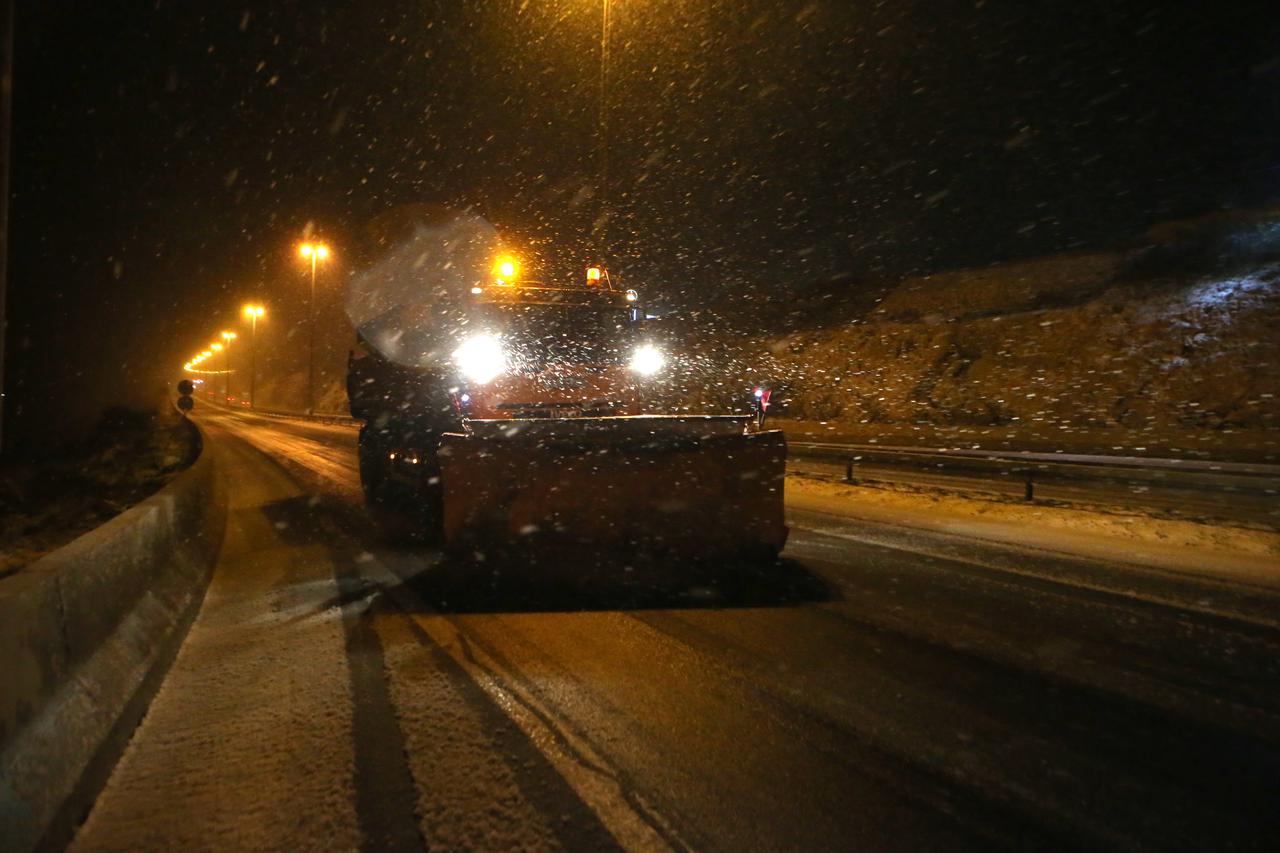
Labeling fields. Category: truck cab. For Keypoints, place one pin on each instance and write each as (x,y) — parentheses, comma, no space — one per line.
(539,351)
(509,349)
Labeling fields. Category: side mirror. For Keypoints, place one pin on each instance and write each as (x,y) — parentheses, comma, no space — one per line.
(761,399)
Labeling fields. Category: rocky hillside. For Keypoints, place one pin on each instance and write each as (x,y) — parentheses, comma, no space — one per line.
(1178,333)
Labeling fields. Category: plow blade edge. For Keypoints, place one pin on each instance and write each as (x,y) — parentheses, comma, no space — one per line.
(681,491)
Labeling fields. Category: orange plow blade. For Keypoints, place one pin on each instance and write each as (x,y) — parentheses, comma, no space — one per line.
(688,487)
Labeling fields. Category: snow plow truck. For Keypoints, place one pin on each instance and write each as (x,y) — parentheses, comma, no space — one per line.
(536,413)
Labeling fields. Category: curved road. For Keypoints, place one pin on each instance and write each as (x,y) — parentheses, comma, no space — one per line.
(881,688)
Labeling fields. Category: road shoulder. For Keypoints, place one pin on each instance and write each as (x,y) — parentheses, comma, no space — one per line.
(1209,552)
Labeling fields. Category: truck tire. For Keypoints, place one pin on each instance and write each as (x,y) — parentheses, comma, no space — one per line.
(429,500)
(403,509)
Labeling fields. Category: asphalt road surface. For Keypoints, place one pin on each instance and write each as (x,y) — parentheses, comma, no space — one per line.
(879,688)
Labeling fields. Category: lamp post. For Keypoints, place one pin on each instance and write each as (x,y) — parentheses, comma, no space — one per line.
(602,128)
(227,338)
(216,348)
(313,252)
(253,312)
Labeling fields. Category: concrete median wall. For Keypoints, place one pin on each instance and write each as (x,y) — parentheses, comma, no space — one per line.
(86,635)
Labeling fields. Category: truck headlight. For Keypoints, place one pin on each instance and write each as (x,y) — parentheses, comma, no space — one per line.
(480,358)
(647,360)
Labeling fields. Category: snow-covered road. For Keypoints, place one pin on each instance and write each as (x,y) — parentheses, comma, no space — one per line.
(883,687)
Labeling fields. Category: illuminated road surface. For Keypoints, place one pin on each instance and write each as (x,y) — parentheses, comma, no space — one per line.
(881,688)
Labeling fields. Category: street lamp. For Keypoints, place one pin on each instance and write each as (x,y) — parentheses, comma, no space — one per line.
(253,312)
(313,252)
(228,337)
(602,128)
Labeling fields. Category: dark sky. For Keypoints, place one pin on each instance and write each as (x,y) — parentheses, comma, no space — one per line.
(167,155)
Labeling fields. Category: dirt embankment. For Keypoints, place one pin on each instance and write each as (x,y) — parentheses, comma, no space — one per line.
(288,392)
(46,502)
(1156,344)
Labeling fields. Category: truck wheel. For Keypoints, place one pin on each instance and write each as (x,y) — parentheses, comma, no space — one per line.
(373,464)
(403,509)
(433,505)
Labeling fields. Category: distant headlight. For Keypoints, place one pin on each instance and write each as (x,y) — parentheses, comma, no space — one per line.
(647,360)
(480,358)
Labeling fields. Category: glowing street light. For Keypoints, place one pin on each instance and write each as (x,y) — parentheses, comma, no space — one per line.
(313,252)
(253,312)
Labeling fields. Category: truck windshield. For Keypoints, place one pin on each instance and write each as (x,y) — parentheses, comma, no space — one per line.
(573,334)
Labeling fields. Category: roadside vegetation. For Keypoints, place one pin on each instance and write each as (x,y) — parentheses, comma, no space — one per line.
(46,502)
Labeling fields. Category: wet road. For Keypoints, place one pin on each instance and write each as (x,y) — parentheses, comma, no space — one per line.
(881,688)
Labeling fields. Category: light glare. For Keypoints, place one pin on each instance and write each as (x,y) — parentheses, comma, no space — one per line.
(506,269)
(319,250)
(647,360)
(480,358)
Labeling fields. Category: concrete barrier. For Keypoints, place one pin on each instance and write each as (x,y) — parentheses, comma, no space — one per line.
(86,635)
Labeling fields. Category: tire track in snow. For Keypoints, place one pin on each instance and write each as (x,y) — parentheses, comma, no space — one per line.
(624,812)
(385,795)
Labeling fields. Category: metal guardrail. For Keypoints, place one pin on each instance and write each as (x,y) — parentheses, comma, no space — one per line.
(317,417)
(1076,459)
(1044,467)
(1199,484)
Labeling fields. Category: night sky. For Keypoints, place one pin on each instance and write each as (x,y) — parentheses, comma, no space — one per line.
(168,156)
